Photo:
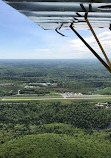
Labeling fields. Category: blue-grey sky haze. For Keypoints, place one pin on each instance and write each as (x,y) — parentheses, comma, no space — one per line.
(20,38)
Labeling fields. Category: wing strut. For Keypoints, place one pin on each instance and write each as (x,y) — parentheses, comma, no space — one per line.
(91,49)
(97,40)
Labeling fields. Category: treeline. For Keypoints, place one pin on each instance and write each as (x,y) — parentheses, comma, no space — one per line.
(65,69)
(76,75)
(81,115)
(38,91)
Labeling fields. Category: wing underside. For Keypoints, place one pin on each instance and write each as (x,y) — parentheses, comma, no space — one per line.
(55,14)
(69,14)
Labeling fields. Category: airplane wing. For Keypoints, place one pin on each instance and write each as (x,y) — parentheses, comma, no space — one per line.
(53,14)
(69,14)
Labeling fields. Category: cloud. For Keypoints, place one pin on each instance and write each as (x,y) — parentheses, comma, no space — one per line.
(66,48)
(104,38)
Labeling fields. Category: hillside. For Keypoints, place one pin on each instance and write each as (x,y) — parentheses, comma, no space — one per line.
(76,145)
(54,129)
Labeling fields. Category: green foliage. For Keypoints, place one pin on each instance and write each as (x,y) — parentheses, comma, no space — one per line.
(38,91)
(8,91)
(53,129)
(53,145)
(82,115)
(70,75)
(42,129)
(105,91)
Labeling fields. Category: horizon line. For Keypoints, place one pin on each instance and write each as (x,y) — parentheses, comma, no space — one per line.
(50,59)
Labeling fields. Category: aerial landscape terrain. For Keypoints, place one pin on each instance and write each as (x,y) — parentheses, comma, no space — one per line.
(55,103)
(55,109)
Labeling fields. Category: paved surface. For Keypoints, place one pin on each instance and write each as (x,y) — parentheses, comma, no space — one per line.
(75,98)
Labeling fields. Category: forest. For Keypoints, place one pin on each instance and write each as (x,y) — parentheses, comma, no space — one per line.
(84,76)
(62,129)
(54,128)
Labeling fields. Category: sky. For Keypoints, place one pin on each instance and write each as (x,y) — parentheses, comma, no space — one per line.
(20,38)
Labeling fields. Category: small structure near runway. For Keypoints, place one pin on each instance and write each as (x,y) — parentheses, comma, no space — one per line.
(107,104)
